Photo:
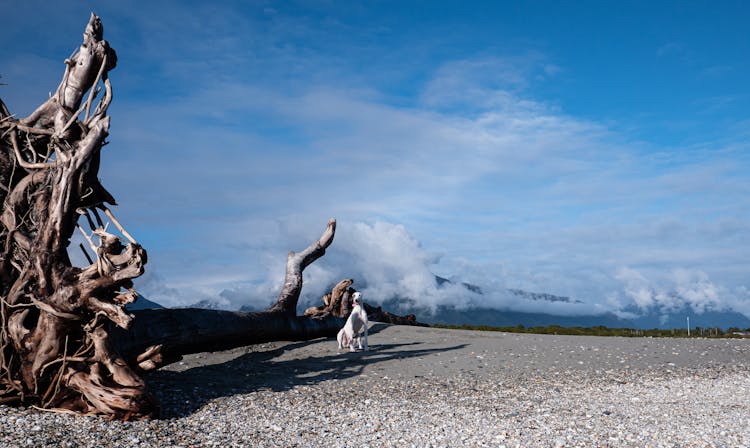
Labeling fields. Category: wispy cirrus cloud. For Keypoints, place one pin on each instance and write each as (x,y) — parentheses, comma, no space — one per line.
(672,49)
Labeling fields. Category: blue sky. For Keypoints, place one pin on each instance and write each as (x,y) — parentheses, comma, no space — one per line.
(597,150)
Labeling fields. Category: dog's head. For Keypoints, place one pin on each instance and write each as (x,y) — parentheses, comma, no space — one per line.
(356,298)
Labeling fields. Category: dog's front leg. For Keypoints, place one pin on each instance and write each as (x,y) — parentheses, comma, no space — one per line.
(344,339)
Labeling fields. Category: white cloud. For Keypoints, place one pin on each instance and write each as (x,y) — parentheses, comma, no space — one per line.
(674,290)
(671,48)
(636,287)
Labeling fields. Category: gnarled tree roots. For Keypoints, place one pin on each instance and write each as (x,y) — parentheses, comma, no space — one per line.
(56,350)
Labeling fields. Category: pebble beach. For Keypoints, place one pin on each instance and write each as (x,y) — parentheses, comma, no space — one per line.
(427,387)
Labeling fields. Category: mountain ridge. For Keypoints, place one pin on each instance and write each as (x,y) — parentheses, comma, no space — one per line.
(506,317)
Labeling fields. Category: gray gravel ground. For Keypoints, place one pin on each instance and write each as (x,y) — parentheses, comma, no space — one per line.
(431,387)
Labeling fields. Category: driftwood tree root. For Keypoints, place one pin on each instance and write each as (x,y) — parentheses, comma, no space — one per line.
(56,349)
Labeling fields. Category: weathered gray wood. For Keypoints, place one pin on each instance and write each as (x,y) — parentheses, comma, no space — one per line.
(182,331)
(295,264)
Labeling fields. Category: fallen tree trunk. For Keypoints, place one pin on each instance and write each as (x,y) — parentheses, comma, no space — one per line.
(173,333)
(159,337)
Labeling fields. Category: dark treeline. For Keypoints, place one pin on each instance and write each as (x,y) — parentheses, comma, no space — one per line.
(600,330)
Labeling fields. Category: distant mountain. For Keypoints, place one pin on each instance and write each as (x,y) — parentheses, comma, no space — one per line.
(208,304)
(142,303)
(707,319)
(507,318)
(541,297)
(442,281)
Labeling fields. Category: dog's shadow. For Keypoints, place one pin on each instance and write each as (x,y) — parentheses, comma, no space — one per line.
(181,393)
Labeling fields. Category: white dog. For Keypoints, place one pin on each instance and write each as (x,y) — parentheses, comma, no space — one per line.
(355,325)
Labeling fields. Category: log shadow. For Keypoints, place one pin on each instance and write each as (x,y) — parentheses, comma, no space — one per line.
(181,393)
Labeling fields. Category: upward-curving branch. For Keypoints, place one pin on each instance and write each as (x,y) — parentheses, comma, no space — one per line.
(295,264)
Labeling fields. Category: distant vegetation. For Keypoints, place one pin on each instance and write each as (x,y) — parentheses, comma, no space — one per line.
(698,332)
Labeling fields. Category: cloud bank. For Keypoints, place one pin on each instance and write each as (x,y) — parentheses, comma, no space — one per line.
(387,263)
